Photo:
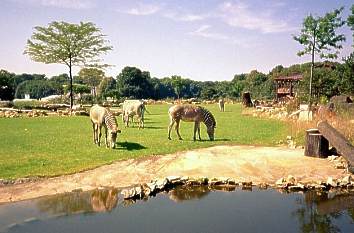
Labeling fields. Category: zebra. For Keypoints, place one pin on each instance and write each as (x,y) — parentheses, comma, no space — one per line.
(133,108)
(222,105)
(194,114)
(101,116)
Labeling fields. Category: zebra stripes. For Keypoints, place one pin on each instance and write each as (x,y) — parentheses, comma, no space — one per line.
(110,121)
(194,114)
(208,118)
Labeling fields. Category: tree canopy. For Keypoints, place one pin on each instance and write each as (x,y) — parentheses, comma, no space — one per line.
(70,44)
(133,83)
(318,36)
(350,21)
(92,77)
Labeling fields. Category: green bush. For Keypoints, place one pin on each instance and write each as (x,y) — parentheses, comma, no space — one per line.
(27,104)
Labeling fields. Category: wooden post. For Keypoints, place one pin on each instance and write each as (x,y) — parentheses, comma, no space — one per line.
(337,140)
(315,144)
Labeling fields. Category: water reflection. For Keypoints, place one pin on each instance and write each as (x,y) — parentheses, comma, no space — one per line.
(180,194)
(309,212)
(79,202)
(319,212)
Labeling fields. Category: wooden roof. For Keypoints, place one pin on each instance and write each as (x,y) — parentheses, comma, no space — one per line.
(294,77)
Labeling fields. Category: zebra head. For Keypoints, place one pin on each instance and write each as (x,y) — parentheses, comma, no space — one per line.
(211,129)
(113,138)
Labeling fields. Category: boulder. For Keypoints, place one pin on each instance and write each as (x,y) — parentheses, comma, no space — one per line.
(332,182)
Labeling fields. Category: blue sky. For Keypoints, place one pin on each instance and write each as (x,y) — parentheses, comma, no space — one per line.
(200,39)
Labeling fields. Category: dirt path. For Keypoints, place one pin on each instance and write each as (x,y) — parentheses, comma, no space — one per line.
(242,163)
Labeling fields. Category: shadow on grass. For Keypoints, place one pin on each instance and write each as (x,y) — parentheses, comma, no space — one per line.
(207,140)
(147,127)
(154,127)
(215,140)
(130,146)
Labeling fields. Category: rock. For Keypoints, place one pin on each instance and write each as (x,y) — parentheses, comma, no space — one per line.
(280,182)
(319,186)
(148,188)
(291,180)
(247,184)
(174,179)
(198,181)
(297,187)
(132,192)
(217,181)
(345,180)
(331,158)
(161,183)
(263,185)
(340,165)
(332,182)
(231,181)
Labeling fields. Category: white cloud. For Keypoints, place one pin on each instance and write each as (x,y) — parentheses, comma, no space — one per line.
(238,14)
(70,4)
(185,17)
(203,31)
(144,9)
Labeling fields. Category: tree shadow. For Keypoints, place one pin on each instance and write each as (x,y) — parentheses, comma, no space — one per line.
(130,146)
(215,140)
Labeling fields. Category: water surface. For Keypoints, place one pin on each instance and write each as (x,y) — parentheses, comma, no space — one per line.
(183,210)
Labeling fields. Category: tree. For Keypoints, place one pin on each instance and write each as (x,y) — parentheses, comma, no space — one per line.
(133,83)
(92,77)
(7,88)
(347,82)
(106,87)
(350,21)
(177,84)
(318,36)
(36,89)
(69,44)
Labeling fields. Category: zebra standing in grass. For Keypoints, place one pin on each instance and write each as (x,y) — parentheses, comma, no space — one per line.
(191,113)
(101,116)
(222,105)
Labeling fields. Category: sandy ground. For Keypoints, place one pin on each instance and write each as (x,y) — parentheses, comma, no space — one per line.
(242,163)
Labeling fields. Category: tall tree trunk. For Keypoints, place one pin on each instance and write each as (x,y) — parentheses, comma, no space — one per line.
(71,87)
(312,67)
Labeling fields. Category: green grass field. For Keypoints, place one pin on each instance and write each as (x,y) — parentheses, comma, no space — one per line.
(54,146)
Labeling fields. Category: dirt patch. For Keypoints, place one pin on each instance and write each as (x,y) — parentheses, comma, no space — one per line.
(242,163)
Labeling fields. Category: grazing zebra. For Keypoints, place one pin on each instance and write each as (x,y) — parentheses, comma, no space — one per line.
(222,105)
(133,108)
(194,114)
(101,116)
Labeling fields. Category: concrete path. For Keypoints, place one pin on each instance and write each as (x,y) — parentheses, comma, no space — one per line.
(242,163)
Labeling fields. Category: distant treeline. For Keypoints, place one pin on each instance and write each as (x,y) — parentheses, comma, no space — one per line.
(330,78)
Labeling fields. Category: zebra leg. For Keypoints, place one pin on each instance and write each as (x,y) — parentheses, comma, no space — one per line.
(195,130)
(199,131)
(94,133)
(99,135)
(170,127)
(105,131)
(177,129)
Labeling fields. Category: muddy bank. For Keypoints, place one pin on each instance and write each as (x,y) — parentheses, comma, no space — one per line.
(241,163)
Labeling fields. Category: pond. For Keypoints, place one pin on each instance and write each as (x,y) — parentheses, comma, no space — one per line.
(197,209)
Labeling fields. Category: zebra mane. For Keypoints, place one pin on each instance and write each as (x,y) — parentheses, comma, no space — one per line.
(210,115)
(110,121)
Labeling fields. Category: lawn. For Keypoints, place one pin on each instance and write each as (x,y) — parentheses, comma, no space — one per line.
(54,146)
